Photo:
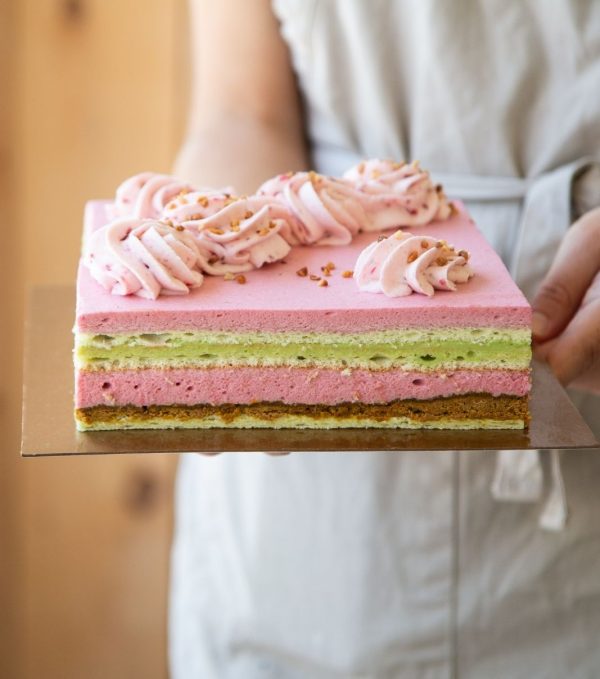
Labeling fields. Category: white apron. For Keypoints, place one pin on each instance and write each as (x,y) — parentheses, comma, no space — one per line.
(403,564)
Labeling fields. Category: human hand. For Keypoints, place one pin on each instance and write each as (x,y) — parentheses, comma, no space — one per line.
(566,308)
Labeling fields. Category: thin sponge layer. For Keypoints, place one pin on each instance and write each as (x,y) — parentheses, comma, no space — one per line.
(431,350)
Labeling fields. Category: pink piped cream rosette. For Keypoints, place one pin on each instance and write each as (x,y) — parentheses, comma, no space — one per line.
(325,210)
(144,258)
(145,195)
(233,234)
(395,195)
(403,263)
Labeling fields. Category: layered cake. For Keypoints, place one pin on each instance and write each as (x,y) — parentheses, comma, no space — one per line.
(364,301)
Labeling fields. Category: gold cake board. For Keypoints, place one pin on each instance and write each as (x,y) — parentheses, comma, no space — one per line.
(49,428)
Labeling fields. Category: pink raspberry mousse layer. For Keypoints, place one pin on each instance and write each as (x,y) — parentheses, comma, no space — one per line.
(288,385)
(276,299)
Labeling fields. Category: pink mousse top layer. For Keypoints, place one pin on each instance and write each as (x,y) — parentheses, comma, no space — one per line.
(276,299)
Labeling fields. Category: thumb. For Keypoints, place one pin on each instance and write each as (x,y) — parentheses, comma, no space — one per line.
(574,267)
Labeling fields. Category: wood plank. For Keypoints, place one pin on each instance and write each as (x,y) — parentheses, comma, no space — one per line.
(11,322)
(97,97)
(96,567)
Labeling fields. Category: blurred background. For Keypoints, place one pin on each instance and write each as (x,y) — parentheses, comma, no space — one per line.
(91,91)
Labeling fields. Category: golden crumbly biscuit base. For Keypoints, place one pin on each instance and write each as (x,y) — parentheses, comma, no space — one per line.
(473,410)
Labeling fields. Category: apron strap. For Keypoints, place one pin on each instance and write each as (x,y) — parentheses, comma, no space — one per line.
(518,476)
(555,513)
(482,189)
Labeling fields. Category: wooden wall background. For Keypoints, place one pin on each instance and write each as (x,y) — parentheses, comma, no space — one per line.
(90,92)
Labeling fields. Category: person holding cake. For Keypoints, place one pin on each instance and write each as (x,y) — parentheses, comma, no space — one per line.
(405,564)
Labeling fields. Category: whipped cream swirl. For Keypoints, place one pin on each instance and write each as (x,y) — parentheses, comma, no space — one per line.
(325,210)
(403,263)
(144,258)
(145,195)
(395,195)
(233,234)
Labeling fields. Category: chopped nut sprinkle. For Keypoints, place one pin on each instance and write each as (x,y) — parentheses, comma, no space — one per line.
(203,200)
(179,228)
(382,237)
(347,273)
(323,283)
(314,277)
(216,230)
(424,244)
(171,206)
(228,276)
(441,261)
(241,279)
(412,256)
(302,272)
(330,265)
(272,224)
(248,214)
(263,232)
(464,254)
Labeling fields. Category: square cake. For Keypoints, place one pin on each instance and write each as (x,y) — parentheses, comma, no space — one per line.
(299,342)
